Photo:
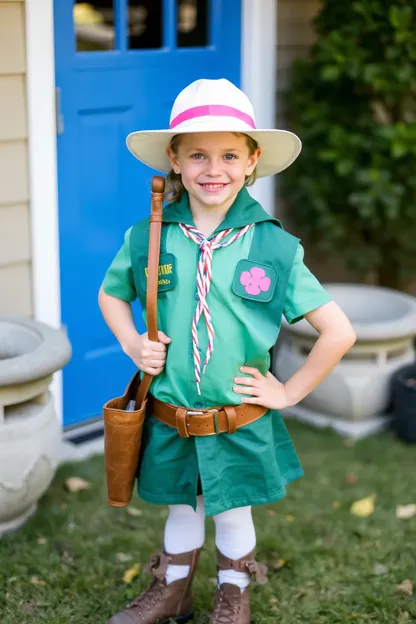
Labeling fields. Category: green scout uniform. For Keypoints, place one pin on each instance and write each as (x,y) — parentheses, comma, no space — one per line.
(253,465)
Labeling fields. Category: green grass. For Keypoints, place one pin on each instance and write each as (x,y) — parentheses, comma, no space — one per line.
(331,556)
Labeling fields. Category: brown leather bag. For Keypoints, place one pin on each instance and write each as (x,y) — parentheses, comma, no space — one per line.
(123,427)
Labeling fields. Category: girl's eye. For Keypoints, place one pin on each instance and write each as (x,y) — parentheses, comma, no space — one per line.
(197,156)
(230,156)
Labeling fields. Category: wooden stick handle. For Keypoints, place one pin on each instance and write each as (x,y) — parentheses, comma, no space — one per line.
(158,188)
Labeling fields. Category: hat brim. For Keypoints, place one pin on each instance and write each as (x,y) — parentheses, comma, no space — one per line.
(279,148)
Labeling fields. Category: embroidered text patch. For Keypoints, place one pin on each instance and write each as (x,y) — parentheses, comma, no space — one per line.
(254,281)
(167,272)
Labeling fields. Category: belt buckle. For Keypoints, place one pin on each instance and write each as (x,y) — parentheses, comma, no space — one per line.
(215,415)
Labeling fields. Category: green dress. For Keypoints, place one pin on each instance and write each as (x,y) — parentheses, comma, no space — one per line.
(253,465)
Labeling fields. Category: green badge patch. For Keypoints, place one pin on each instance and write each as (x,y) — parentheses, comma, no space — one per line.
(254,281)
(167,272)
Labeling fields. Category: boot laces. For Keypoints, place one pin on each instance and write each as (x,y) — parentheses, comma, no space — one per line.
(149,598)
(227,608)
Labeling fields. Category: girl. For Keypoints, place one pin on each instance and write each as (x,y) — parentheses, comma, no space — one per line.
(215,443)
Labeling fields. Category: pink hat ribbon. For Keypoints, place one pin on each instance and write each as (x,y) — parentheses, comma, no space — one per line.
(215,110)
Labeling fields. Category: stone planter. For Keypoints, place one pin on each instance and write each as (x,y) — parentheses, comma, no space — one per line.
(356,395)
(30,431)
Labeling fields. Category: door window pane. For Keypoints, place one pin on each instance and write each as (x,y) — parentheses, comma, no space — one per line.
(193,23)
(145,24)
(94,25)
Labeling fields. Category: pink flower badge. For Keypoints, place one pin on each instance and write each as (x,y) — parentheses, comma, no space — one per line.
(255,281)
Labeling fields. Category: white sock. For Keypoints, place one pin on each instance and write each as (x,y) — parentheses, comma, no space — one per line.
(241,579)
(235,537)
(184,531)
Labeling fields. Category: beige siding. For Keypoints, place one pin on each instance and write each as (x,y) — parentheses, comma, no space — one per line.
(15,289)
(13,172)
(15,256)
(14,234)
(12,38)
(13,107)
(294,37)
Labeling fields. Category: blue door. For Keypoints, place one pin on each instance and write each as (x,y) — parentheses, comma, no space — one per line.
(119,66)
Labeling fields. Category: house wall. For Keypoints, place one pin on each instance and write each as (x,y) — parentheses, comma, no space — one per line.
(15,254)
(294,39)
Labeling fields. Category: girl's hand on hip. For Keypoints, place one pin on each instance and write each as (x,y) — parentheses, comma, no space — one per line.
(263,390)
(149,356)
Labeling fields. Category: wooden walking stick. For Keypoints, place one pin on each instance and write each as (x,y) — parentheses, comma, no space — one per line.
(123,427)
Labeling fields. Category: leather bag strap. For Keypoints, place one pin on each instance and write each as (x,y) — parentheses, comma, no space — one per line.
(158,188)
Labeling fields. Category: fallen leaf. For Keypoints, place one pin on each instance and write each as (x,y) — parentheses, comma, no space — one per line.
(380,569)
(76,484)
(36,581)
(42,540)
(123,557)
(336,505)
(290,518)
(271,513)
(131,573)
(405,587)
(280,563)
(404,512)
(350,479)
(364,507)
(132,511)
(348,443)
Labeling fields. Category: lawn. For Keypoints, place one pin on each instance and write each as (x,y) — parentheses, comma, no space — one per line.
(327,566)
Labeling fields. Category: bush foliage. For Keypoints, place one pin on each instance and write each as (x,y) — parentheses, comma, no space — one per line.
(353,103)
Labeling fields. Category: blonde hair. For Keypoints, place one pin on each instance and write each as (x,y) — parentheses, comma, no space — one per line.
(174,187)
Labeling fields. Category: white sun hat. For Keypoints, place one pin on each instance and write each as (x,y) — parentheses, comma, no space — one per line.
(215,106)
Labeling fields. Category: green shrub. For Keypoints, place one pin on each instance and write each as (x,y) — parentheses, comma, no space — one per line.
(353,104)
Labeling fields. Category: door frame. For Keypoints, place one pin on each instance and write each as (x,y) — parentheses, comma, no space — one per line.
(258,58)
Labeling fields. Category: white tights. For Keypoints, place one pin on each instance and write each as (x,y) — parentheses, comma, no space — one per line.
(234,536)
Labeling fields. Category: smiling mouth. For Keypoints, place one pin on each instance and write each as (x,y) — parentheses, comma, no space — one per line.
(213,187)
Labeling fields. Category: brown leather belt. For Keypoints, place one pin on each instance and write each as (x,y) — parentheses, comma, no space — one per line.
(205,422)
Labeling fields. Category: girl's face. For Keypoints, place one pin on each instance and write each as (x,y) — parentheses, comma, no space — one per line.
(213,166)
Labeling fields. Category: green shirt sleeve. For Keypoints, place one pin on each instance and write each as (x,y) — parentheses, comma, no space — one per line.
(304,292)
(118,281)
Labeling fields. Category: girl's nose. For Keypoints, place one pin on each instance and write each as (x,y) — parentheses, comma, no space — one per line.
(213,167)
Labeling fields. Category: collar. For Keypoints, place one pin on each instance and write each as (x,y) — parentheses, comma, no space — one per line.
(243,211)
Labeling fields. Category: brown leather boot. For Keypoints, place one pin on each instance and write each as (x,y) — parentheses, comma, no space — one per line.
(232,606)
(162,603)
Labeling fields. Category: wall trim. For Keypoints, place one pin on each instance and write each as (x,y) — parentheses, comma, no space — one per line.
(258,62)
(40,74)
(258,76)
